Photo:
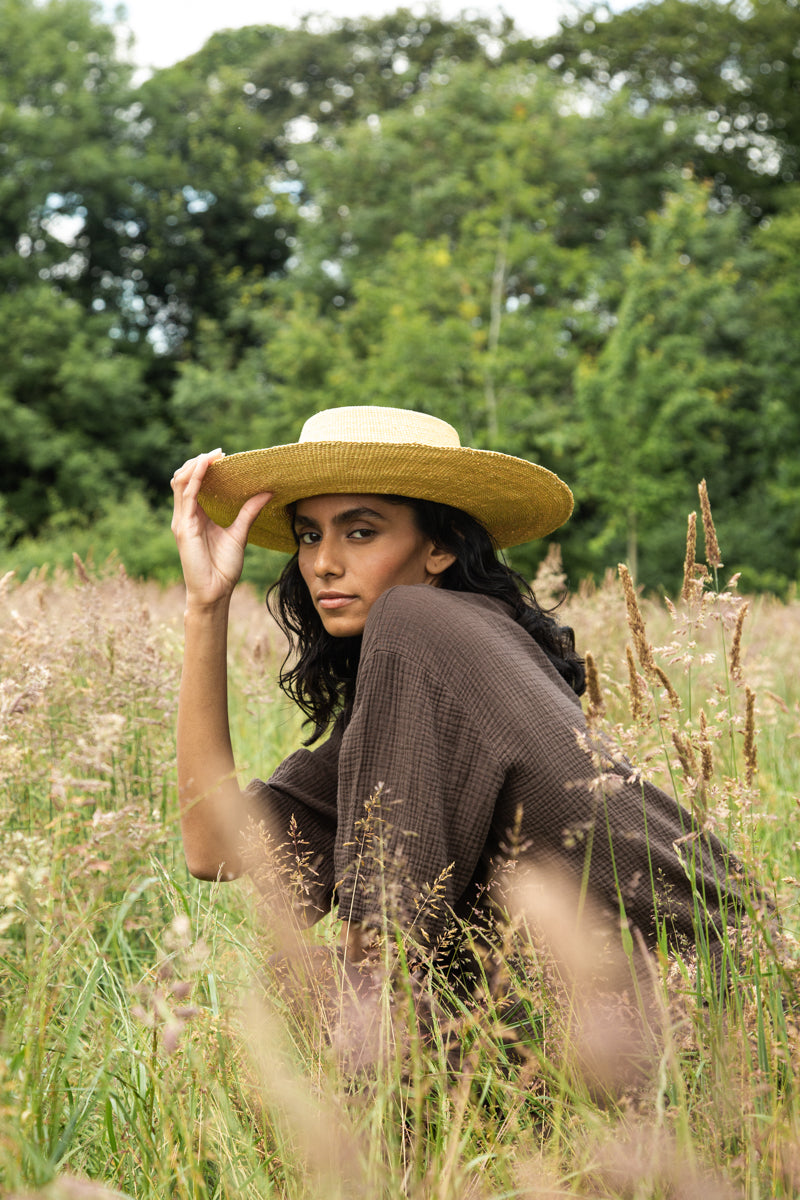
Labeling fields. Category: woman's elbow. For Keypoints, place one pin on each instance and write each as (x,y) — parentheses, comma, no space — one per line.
(213,871)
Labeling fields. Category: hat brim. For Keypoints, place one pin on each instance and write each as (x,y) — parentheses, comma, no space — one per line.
(515,500)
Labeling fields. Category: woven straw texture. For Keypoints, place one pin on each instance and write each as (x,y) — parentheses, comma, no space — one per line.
(514,499)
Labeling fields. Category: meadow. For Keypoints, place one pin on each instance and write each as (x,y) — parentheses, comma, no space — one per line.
(147,1051)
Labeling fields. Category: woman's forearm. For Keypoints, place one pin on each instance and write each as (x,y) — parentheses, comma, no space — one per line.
(212,806)
(213,809)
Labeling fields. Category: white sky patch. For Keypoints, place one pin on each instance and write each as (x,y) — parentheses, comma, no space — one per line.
(166,31)
(300,129)
(63,227)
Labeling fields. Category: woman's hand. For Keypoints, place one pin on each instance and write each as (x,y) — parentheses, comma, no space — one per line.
(211,556)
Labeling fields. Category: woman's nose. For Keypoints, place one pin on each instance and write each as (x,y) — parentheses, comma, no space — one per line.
(326,561)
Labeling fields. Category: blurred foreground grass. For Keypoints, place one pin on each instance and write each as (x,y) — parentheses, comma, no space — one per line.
(146,1051)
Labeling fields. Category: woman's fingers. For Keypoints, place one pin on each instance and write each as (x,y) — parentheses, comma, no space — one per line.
(247,514)
(188,479)
(206,457)
(186,483)
(211,555)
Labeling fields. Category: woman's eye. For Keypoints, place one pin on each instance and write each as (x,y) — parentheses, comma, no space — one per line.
(361,534)
(308,538)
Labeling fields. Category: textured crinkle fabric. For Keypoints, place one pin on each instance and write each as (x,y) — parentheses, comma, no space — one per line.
(464,747)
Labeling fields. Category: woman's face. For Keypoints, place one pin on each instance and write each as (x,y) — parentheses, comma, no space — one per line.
(353,548)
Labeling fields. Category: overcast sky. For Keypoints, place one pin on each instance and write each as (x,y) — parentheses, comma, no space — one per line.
(169,30)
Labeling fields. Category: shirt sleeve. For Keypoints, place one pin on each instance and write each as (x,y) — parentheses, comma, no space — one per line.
(298,804)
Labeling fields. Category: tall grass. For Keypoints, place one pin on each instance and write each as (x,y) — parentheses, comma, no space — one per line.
(151,1047)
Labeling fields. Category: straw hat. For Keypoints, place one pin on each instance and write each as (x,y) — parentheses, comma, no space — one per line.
(390,451)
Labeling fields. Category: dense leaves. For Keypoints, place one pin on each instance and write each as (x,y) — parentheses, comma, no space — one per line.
(581,250)
(662,398)
(735,65)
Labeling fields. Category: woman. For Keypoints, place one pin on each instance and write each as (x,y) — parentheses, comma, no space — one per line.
(456,735)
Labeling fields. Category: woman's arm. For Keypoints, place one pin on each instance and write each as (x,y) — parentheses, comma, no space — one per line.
(213,808)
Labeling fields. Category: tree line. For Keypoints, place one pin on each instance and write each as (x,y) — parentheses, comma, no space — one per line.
(581,249)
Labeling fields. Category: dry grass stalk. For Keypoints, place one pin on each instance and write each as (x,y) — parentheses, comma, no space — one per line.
(637,1159)
(597,705)
(550,583)
(636,687)
(691,587)
(750,751)
(672,695)
(612,1035)
(736,645)
(643,648)
(538,1179)
(693,774)
(80,569)
(713,556)
(706,756)
(686,756)
(317,1127)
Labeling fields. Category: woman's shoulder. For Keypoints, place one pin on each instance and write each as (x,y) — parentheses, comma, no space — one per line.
(414,611)
(464,634)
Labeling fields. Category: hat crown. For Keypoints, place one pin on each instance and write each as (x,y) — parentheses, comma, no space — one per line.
(374,423)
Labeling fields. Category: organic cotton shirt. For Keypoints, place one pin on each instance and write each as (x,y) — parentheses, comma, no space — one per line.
(466,747)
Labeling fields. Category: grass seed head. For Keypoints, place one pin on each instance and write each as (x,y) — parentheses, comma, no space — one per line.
(750,750)
(604,995)
(550,584)
(686,755)
(713,556)
(706,756)
(597,706)
(672,695)
(691,586)
(636,688)
(736,644)
(643,648)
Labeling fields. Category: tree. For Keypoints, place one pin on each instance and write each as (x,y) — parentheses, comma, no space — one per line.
(468,283)
(78,419)
(661,404)
(768,528)
(447,291)
(337,75)
(78,422)
(733,65)
(407,211)
(217,193)
(62,96)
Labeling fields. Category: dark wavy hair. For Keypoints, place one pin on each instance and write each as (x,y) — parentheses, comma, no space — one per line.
(319,672)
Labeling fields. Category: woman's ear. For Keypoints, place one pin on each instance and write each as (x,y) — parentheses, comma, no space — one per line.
(439,560)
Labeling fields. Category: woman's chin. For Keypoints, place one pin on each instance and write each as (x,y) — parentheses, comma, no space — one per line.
(343,624)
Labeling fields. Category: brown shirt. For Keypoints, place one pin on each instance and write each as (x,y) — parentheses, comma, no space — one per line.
(477,748)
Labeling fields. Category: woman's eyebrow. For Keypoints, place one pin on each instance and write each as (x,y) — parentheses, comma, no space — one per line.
(302,519)
(341,518)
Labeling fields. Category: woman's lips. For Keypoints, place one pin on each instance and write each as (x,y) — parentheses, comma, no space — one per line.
(334,600)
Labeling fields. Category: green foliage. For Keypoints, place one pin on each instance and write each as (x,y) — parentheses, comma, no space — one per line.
(733,65)
(776,366)
(407,211)
(203,210)
(351,69)
(61,126)
(77,420)
(128,531)
(662,400)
